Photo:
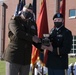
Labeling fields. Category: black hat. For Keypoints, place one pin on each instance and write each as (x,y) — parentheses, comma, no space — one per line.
(58,15)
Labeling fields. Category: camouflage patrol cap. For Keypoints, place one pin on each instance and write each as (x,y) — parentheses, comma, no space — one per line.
(57,15)
(28,6)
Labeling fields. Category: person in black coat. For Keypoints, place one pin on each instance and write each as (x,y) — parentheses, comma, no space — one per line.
(22,34)
(60,45)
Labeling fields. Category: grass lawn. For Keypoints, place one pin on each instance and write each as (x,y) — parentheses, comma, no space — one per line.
(2,68)
(2,65)
(72,60)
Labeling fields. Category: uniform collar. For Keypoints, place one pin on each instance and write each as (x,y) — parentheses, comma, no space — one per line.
(59,27)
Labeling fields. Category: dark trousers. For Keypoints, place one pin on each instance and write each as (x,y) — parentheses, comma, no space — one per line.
(16,69)
(56,72)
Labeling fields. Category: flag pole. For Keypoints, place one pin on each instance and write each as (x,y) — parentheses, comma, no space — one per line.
(57,6)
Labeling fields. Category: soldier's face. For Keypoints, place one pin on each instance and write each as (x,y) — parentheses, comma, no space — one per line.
(58,20)
(27,13)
